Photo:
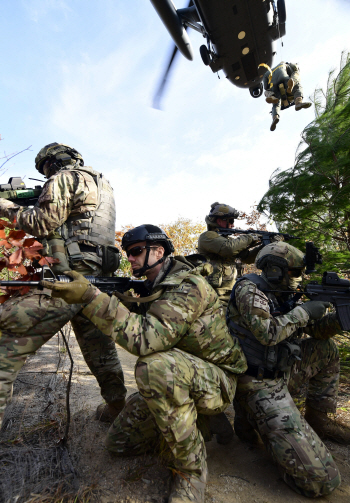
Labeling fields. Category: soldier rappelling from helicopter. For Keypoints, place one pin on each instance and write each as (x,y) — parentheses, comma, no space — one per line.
(282,88)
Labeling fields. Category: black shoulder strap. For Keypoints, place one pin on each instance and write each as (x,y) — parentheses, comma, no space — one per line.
(254,278)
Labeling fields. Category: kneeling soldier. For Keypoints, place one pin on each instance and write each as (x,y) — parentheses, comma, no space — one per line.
(269,339)
(188,362)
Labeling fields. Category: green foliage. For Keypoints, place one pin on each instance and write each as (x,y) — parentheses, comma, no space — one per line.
(312,199)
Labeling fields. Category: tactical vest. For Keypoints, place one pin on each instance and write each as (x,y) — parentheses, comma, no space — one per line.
(263,361)
(224,273)
(97,243)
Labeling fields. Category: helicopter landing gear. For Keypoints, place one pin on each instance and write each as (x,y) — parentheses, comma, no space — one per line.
(205,55)
(256,92)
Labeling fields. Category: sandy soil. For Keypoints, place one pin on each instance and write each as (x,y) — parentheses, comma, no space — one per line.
(237,472)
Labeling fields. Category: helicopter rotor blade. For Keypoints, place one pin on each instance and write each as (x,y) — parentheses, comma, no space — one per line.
(159,93)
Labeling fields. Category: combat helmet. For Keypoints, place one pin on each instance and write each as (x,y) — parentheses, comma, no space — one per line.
(277,258)
(219,210)
(153,235)
(60,155)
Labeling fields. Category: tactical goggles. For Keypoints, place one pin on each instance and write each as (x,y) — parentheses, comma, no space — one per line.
(137,250)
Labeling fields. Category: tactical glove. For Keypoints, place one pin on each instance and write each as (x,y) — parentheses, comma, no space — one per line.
(7,208)
(254,238)
(78,291)
(315,308)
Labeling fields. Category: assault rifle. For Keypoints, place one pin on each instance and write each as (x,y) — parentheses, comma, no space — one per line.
(331,289)
(335,290)
(105,284)
(17,192)
(266,237)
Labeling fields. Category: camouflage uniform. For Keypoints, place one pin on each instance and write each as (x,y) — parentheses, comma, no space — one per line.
(281,74)
(222,252)
(304,461)
(67,200)
(187,364)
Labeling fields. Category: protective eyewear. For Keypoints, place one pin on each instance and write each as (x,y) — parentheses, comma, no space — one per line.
(137,250)
(229,220)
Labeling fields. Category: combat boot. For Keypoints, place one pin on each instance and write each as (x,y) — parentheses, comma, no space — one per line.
(290,86)
(299,104)
(218,425)
(107,412)
(243,429)
(325,427)
(221,426)
(272,100)
(188,488)
(275,121)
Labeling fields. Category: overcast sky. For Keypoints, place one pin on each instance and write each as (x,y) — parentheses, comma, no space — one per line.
(83,72)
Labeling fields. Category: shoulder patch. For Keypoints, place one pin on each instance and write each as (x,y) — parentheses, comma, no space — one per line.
(261,302)
(183,288)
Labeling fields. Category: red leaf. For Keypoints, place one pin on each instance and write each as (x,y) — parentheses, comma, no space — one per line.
(2,234)
(31,254)
(16,257)
(48,261)
(18,268)
(4,223)
(29,242)
(16,242)
(17,234)
(7,245)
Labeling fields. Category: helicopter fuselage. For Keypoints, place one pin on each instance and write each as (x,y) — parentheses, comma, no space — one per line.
(240,34)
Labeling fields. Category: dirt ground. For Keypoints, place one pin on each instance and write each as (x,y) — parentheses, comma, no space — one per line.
(36,468)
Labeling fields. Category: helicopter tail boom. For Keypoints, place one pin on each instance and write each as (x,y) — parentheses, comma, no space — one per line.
(172,21)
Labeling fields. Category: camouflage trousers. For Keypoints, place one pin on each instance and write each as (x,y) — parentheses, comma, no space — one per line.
(27,322)
(297,92)
(174,387)
(304,461)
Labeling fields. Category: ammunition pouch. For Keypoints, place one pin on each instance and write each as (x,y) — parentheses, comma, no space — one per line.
(288,353)
(265,361)
(110,259)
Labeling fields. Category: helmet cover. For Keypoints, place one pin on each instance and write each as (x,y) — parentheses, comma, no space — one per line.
(59,153)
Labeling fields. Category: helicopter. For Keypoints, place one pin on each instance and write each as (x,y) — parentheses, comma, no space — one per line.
(240,35)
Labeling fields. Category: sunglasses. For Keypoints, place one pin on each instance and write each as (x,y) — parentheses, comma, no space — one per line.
(229,220)
(137,250)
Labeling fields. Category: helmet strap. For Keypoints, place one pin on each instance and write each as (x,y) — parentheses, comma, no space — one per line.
(146,266)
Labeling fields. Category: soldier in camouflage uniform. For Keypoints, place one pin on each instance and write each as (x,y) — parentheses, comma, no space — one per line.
(74,218)
(288,75)
(268,330)
(188,362)
(223,251)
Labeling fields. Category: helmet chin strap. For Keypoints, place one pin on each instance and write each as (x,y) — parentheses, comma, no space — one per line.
(146,266)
